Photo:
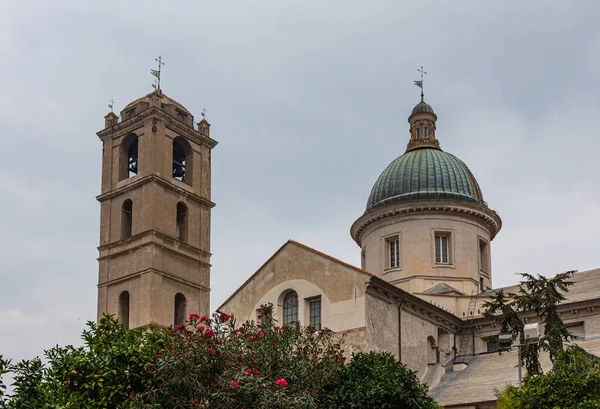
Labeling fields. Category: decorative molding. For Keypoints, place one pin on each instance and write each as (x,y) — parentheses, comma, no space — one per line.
(119,246)
(413,305)
(149,271)
(478,212)
(154,178)
(155,112)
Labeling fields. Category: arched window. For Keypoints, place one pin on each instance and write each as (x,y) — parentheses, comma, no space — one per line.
(290,308)
(127,219)
(180,309)
(418,133)
(182,222)
(182,160)
(124,308)
(128,157)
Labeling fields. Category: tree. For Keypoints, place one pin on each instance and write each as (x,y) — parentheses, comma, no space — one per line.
(104,373)
(541,295)
(573,383)
(377,380)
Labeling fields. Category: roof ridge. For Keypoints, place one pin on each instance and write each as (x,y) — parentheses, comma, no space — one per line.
(337,260)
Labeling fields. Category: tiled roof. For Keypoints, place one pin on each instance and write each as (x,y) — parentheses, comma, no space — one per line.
(485,372)
(586,287)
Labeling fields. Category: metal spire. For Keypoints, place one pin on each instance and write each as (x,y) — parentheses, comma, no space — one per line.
(156,73)
(111,105)
(420,83)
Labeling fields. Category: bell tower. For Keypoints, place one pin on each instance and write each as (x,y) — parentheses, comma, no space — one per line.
(155,204)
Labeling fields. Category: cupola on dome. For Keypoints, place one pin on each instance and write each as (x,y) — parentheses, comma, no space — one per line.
(424,171)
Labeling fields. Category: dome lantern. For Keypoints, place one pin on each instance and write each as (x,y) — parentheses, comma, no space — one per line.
(422,127)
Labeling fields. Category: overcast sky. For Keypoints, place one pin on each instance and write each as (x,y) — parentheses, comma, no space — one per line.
(309,102)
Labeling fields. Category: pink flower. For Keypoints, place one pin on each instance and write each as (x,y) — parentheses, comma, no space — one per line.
(209,332)
(234,384)
(248,371)
(192,316)
(200,327)
(210,351)
(203,318)
(278,327)
(224,317)
(256,372)
(281,382)
(177,327)
(261,334)
(316,357)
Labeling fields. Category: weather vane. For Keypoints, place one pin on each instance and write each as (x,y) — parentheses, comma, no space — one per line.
(420,83)
(156,73)
(203,113)
(111,105)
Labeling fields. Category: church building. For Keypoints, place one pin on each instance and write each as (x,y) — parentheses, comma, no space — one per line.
(425,243)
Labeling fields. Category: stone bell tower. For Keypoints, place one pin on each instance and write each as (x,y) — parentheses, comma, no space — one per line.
(154,263)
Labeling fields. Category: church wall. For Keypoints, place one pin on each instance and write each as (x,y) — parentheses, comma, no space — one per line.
(382,325)
(417,256)
(342,289)
(415,349)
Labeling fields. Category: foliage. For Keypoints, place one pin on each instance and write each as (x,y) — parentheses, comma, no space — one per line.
(541,295)
(102,374)
(4,369)
(573,383)
(377,380)
(211,363)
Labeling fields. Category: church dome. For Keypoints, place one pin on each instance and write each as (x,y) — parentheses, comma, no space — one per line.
(422,174)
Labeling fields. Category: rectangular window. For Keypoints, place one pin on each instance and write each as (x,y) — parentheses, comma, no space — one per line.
(363,260)
(393,252)
(483,256)
(315,314)
(481,286)
(417,133)
(442,248)
(425,133)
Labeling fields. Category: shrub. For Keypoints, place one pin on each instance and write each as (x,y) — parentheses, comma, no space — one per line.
(377,380)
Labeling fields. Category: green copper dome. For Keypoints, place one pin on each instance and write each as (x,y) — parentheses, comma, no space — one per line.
(422,174)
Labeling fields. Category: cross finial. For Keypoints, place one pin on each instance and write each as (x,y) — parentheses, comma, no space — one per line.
(111,105)
(156,73)
(203,113)
(420,83)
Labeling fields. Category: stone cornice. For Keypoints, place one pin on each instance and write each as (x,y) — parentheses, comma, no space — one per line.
(173,123)
(149,271)
(154,178)
(121,246)
(480,213)
(414,305)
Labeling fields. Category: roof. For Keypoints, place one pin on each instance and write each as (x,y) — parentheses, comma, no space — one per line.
(485,372)
(304,246)
(425,173)
(422,107)
(163,99)
(586,287)
(443,289)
